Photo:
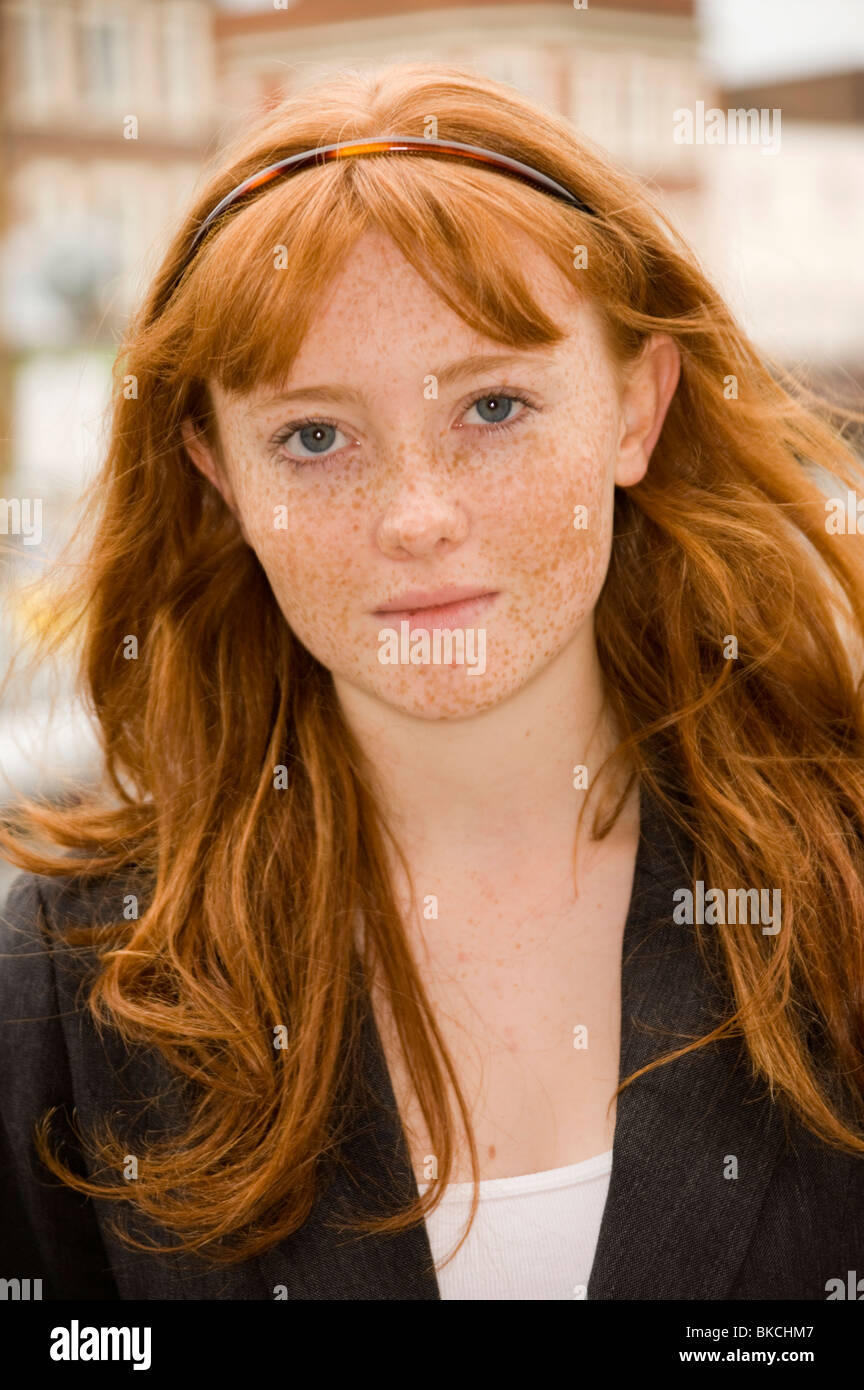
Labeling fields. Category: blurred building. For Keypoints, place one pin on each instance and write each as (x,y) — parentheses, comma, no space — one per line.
(616,70)
(111,106)
(785,230)
(110,109)
(107,106)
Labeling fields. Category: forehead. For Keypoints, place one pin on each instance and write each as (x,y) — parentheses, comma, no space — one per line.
(379,319)
(374,273)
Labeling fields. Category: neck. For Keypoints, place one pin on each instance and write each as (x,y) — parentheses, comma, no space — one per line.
(480,789)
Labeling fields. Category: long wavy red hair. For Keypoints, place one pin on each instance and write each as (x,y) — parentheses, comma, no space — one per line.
(254,890)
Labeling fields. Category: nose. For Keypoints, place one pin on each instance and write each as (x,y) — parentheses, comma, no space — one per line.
(422,514)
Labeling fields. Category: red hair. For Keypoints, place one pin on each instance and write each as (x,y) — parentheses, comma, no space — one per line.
(254,890)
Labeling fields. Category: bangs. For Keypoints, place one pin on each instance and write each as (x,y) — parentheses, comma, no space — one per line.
(254,289)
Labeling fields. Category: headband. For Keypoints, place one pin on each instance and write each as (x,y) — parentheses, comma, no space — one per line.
(383,144)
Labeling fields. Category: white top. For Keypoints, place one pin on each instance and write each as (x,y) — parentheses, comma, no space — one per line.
(533,1237)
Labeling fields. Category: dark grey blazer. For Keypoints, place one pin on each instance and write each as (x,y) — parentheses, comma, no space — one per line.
(675,1225)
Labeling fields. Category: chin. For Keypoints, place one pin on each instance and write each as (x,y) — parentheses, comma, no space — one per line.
(433,694)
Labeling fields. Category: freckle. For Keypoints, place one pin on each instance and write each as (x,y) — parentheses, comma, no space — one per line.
(518,947)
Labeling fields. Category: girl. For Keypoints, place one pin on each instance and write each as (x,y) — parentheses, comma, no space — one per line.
(444,500)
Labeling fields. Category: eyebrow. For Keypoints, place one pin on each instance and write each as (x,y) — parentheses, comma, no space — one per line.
(455,371)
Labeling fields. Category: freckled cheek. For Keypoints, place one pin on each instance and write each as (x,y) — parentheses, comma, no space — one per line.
(554,562)
(310,561)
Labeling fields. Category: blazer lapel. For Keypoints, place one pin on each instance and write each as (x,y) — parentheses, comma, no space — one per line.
(695,1142)
(677,1223)
(374,1175)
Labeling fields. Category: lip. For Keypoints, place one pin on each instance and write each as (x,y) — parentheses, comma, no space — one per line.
(443,608)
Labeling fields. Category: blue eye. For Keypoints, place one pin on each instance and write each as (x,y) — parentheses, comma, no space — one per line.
(316,436)
(501,407)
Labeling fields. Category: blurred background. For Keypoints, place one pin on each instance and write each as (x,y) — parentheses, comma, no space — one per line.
(110,107)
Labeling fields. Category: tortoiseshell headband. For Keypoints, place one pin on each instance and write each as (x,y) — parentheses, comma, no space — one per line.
(383,144)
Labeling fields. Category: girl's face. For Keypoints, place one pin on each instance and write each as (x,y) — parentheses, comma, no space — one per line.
(407,454)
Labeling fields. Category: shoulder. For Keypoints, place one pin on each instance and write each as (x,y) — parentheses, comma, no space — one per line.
(46,968)
(55,1059)
(34,956)
(27,983)
(66,900)
(37,954)
(70,899)
(54,1069)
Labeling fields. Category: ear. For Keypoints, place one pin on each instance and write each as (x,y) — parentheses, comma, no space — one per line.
(206,461)
(649,385)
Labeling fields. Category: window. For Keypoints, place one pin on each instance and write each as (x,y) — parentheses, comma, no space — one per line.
(32,43)
(105,70)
